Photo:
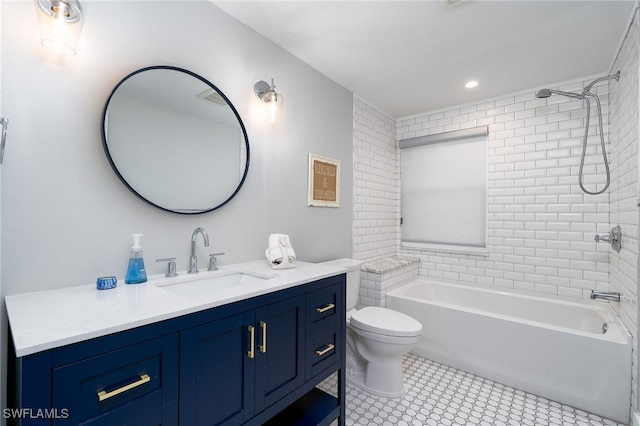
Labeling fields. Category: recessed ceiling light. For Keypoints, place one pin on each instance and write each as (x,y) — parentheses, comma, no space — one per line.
(471,84)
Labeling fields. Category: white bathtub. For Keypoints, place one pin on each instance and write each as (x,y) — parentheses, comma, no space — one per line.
(548,346)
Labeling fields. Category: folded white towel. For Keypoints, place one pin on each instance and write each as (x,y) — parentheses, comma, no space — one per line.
(279,249)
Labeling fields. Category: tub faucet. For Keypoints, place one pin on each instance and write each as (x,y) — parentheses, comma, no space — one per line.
(614,296)
(193,260)
(614,238)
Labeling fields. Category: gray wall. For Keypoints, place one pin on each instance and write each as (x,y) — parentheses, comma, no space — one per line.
(67,218)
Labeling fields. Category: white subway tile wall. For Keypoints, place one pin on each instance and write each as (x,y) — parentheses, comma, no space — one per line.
(376,204)
(624,186)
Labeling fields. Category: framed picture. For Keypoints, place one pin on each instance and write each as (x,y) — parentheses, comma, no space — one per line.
(324,181)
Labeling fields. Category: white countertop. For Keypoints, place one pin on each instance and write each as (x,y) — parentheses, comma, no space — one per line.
(52,318)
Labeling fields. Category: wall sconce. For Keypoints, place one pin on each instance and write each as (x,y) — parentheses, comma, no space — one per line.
(267,93)
(60,24)
(4,122)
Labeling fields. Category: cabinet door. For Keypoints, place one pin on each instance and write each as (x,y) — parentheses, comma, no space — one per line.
(216,373)
(280,350)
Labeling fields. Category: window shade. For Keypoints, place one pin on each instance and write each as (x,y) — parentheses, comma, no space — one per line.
(444,189)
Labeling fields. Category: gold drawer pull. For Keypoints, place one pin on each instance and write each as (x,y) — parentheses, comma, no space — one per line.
(329,348)
(102,395)
(252,337)
(325,308)
(263,346)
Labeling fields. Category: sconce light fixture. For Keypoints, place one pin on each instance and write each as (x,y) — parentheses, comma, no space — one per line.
(267,93)
(60,24)
(4,122)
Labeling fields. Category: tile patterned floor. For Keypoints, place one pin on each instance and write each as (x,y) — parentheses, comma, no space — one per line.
(440,396)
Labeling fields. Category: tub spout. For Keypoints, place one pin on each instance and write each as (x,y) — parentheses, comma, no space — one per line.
(614,296)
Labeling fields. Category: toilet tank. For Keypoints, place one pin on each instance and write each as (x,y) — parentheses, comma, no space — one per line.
(353,279)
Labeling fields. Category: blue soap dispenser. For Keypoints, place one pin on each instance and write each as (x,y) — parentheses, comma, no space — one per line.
(136,273)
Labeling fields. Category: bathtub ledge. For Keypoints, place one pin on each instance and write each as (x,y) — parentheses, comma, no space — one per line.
(388,264)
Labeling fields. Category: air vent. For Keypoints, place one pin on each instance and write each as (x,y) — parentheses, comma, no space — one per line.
(448,4)
(211,95)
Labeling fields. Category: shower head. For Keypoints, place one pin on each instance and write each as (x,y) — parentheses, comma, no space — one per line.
(544,93)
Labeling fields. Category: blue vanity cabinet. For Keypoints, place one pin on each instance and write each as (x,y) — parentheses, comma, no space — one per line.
(253,362)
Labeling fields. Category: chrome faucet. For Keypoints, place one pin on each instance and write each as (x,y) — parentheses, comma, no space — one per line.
(614,296)
(193,260)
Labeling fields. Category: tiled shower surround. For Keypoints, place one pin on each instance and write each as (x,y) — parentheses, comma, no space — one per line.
(541,226)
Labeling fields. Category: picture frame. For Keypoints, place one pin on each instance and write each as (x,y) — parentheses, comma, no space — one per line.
(324,181)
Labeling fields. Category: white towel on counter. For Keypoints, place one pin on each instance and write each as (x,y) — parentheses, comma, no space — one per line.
(280,249)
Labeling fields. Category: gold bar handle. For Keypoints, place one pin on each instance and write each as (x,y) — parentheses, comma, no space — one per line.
(263,346)
(329,348)
(144,378)
(325,308)
(252,338)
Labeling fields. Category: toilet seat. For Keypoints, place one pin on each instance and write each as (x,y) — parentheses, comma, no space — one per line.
(385,322)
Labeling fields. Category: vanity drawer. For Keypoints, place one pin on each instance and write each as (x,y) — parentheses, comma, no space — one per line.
(323,348)
(324,303)
(138,383)
(325,315)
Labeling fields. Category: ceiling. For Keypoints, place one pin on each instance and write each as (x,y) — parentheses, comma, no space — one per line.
(409,57)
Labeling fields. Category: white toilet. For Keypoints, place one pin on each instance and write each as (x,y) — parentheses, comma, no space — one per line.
(376,340)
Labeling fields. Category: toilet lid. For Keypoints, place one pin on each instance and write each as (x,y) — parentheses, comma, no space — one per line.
(385,321)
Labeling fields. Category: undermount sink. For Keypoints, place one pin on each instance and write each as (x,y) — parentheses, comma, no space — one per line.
(205,283)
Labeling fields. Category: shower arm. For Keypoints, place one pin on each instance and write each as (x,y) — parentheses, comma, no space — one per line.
(587,90)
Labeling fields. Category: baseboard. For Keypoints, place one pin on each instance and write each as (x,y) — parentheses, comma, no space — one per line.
(635,418)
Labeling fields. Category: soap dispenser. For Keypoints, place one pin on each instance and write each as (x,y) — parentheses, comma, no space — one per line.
(136,273)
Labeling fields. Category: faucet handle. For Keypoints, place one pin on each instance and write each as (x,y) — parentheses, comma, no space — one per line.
(171,266)
(614,238)
(213,261)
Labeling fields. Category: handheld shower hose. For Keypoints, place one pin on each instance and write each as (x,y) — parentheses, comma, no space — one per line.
(602,145)
(586,93)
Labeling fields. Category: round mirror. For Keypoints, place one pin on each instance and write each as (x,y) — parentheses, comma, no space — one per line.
(175,140)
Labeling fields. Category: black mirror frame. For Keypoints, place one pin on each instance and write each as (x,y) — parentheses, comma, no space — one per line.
(208,83)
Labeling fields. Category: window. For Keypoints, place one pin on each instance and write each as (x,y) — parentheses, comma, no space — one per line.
(444,191)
